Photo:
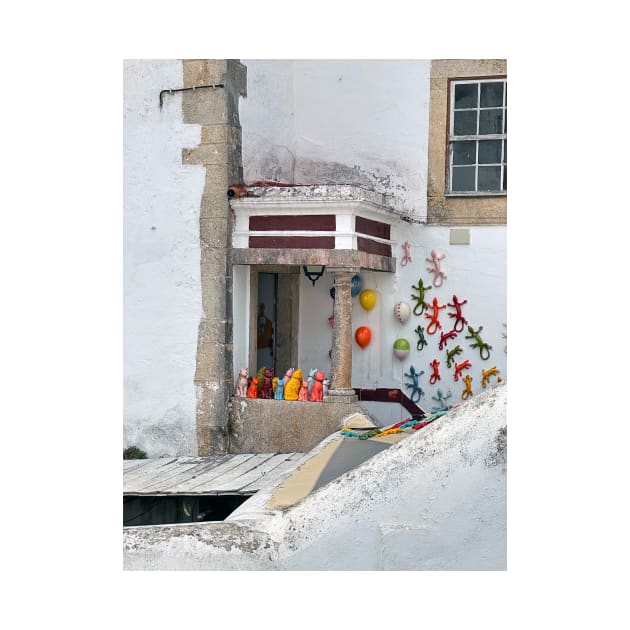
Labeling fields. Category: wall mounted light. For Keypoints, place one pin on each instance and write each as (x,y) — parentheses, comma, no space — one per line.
(313,274)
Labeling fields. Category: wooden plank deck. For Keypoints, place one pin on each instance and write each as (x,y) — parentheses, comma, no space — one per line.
(217,474)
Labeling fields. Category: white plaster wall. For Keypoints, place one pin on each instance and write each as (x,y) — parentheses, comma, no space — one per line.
(162,291)
(475,272)
(362,122)
(434,501)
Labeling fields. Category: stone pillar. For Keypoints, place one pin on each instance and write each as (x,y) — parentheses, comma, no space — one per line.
(216,111)
(341,380)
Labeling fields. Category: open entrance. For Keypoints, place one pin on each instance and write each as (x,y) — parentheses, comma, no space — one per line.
(171,510)
(274,339)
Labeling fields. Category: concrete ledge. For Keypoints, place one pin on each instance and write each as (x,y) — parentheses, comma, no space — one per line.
(284,426)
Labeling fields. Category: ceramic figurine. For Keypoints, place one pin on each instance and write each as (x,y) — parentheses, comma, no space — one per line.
(303,393)
(279,395)
(317,391)
(292,388)
(434,316)
(464,365)
(445,336)
(252,392)
(311,379)
(486,374)
(438,275)
(468,392)
(287,376)
(459,318)
(267,388)
(261,376)
(421,338)
(274,384)
(414,385)
(436,373)
(326,386)
(441,400)
(406,254)
(241,385)
(451,354)
(483,347)
(420,303)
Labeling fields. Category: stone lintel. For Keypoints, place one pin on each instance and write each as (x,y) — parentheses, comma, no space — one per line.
(338,258)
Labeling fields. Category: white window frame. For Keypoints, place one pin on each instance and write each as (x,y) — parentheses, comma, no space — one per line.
(476,137)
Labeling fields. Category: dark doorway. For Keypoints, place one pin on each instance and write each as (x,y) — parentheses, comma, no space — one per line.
(165,510)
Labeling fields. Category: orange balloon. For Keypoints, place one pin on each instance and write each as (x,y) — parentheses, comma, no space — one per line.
(363,336)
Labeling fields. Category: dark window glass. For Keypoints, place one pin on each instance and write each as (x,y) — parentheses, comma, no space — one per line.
(490,121)
(465,123)
(489,151)
(491,95)
(489,178)
(505,150)
(466,95)
(464,178)
(464,152)
(505,177)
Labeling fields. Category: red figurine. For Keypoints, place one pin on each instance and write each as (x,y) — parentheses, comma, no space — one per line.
(267,388)
(436,374)
(434,316)
(464,365)
(252,390)
(459,318)
(303,393)
(317,391)
(445,336)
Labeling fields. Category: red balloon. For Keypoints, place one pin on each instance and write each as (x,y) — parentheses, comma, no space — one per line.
(363,335)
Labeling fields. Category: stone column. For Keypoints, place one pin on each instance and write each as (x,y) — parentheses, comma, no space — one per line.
(216,111)
(341,381)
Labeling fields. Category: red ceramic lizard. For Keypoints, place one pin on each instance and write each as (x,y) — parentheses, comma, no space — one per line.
(461,366)
(444,337)
(459,318)
(436,374)
(434,316)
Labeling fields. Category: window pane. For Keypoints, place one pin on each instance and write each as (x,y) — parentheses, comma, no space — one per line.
(465,123)
(489,178)
(505,177)
(463,178)
(464,152)
(490,121)
(466,95)
(490,152)
(505,150)
(491,94)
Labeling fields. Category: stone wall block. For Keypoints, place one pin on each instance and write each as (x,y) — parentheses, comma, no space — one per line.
(204,71)
(206,154)
(205,107)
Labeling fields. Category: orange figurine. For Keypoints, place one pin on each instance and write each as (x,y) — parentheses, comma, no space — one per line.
(464,365)
(317,391)
(252,391)
(292,388)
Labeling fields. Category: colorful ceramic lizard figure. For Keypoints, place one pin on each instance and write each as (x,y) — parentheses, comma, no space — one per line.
(486,374)
(434,316)
(414,386)
(406,254)
(459,318)
(464,365)
(438,275)
(421,338)
(436,374)
(451,354)
(468,392)
(441,399)
(445,336)
(479,343)
(421,304)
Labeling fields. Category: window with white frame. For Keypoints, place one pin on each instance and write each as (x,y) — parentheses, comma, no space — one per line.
(478,137)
